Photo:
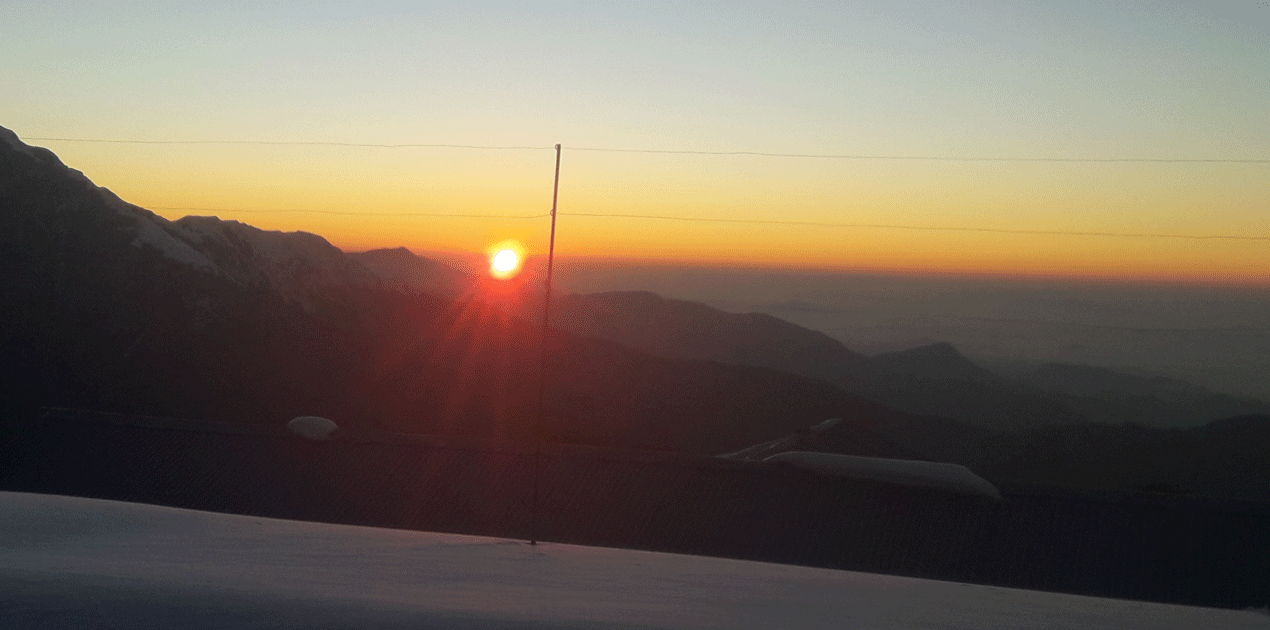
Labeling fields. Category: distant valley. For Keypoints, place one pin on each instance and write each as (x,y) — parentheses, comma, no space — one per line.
(1214,336)
(934,379)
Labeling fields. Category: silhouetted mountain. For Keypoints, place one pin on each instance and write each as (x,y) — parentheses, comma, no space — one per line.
(108,306)
(1084,380)
(1107,396)
(936,379)
(290,264)
(932,380)
(797,306)
(402,268)
(688,330)
(934,361)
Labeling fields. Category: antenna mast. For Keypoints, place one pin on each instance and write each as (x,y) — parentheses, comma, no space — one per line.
(542,357)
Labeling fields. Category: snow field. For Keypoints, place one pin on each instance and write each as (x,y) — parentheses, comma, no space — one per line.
(76,563)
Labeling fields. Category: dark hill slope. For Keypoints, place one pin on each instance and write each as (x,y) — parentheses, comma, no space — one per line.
(1224,459)
(934,361)
(403,269)
(933,380)
(1107,396)
(688,330)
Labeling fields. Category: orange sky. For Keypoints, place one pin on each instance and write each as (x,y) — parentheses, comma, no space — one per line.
(386,199)
(1089,80)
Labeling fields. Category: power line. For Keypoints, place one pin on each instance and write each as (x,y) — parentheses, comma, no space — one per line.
(829,156)
(929,158)
(354,213)
(657,217)
(701,219)
(297,143)
(931,228)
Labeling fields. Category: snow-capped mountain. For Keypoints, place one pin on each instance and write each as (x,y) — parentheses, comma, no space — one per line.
(290,264)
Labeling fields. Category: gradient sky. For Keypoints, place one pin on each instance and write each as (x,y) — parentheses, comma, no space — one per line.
(956,79)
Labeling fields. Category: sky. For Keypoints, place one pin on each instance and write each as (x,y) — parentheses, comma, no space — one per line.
(1071,80)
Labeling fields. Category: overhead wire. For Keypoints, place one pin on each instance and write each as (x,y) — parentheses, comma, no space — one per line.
(832,156)
(936,228)
(704,153)
(323,143)
(614,215)
(928,158)
(351,213)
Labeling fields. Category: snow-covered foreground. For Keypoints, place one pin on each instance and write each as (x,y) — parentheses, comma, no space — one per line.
(85,563)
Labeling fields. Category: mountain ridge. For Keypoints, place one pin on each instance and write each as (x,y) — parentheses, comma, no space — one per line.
(934,379)
(114,308)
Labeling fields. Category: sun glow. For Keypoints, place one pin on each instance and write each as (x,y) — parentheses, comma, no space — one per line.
(505,259)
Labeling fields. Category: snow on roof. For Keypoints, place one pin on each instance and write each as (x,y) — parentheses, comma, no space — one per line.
(86,563)
(901,471)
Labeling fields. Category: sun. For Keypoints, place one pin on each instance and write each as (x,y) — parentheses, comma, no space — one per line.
(505,259)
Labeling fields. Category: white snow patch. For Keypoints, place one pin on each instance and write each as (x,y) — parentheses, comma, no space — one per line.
(172,248)
(289,261)
(152,230)
(271,245)
(902,471)
(312,427)
(80,563)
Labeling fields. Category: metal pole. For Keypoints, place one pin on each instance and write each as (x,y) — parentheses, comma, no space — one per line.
(542,357)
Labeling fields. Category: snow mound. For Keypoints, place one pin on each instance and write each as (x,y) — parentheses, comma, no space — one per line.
(312,427)
(900,471)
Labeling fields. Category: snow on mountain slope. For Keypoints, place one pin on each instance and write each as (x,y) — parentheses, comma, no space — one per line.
(150,230)
(289,262)
(155,231)
(76,563)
